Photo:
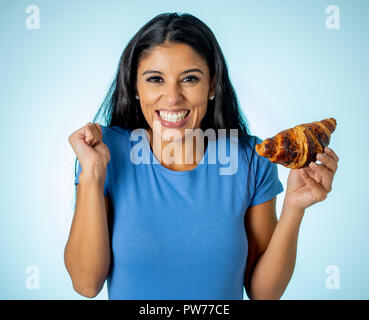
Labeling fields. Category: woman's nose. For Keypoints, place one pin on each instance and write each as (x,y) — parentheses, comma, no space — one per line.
(173,94)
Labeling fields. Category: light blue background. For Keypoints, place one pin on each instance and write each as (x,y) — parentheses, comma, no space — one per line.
(286,67)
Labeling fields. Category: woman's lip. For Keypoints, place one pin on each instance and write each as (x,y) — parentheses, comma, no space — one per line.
(172,109)
(168,124)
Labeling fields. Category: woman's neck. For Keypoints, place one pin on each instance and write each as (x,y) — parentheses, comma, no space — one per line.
(180,155)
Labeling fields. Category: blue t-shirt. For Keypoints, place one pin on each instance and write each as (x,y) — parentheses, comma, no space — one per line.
(180,235)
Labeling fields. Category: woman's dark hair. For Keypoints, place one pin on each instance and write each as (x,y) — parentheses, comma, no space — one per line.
(121,108)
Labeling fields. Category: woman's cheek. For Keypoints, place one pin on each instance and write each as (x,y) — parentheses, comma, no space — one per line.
(149,116)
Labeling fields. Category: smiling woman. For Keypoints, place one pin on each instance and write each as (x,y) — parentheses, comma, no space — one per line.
(168,229)
(178,99)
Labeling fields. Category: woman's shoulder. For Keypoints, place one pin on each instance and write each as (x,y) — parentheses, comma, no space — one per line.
(115,136)
(114,131)
(248,142)
(247,150)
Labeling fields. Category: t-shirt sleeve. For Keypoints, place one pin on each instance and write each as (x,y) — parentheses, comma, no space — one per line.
(76,179)
(267,183)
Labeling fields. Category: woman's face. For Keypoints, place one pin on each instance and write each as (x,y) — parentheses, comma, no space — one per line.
(173,85)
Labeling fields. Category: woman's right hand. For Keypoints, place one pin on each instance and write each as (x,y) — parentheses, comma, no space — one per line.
(90,150)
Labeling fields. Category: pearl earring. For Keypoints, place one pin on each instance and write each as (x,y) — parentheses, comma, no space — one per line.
(137,97)
(211,98)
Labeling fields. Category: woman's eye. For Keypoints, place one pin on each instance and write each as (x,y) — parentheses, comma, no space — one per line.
(151,79)
(194,79)
(159,79)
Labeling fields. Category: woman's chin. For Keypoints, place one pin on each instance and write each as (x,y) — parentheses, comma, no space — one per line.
(172,134)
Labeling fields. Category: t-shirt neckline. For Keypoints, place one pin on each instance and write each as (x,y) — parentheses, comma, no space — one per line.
(158,165)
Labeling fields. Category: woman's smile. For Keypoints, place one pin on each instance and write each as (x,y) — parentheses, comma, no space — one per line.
(173,119)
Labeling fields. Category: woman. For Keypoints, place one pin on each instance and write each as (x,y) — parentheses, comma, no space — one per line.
(153,216)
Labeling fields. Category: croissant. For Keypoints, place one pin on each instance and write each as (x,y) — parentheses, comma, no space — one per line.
(298,146)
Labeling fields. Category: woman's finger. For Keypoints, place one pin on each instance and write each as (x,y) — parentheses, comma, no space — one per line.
(89,133)
(96,132)
(328,161)
(331,153)
(318,193)
(325,174)
(312,173)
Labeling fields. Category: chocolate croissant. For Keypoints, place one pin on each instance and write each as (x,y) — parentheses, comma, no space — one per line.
(298,146)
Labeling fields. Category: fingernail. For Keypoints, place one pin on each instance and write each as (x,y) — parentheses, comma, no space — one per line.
(312,164)
(319,156)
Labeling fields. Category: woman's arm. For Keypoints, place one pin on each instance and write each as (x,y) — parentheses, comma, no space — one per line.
(273,244)
(272,249)
(87,252)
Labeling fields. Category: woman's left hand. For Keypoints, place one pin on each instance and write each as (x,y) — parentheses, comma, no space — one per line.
(307,186)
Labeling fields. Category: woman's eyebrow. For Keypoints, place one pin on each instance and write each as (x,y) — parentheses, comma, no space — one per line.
(186,71)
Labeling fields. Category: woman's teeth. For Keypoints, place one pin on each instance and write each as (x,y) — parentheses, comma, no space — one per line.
(173,116)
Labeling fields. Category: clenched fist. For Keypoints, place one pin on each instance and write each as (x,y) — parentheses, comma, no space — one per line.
(90,150)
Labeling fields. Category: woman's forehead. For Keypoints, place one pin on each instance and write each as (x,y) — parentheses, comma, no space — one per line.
(171,57)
